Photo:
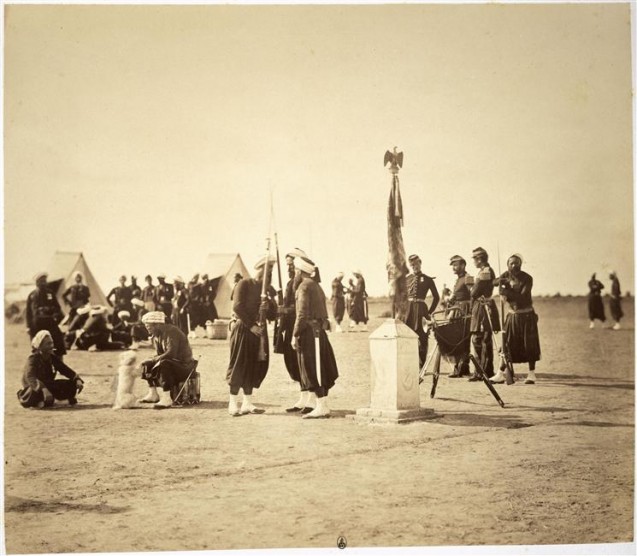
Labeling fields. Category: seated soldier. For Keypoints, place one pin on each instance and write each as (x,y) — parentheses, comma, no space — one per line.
(122,330)
(95,334)
(39,385)
(173,362)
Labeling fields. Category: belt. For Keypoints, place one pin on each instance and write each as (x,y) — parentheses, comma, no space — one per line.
(416,299)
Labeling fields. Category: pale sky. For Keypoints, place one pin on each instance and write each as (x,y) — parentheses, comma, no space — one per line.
(150,136)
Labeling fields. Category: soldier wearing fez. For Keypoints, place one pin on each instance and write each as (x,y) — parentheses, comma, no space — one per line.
(249,351)
(418,287)
(485,319)
(460,306)
(316,357)
(122,296)
(164,296)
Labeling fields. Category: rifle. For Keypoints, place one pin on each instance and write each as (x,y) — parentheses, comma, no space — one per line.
(502,351)
(278,328)
(263,320)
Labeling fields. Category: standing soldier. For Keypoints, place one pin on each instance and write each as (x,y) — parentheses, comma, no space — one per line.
(180,301)
(163,296)
(287,318)
(316,357)
(615,303)
(459,307)
(338,300)
(135,290)
(76,296)
(195,307)
(122,296)
(485,319)
(358,301)
(521,341)
(208,294)
(148,294)
(249,357)
(418,287)
(44,313)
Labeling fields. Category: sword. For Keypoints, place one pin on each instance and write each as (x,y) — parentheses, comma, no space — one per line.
(317,353)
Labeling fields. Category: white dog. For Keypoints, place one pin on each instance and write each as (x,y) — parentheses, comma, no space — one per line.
(127,372)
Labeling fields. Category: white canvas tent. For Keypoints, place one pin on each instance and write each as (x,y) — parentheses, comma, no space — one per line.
(61,270)
(222,267)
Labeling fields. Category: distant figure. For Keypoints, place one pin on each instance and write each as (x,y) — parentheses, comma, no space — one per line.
(595,303)
(209,293)
(40,388)
(148,294)
(419,285)
(120,298)
(163,296)
(135,290)
(521,341)
(44,313)
(338,300)
(76,296)
(615,300)
(237,278)
(195,308)
(358,303)
(181,302)
(95,333)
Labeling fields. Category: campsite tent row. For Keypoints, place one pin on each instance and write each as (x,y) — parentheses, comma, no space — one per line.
(220,267)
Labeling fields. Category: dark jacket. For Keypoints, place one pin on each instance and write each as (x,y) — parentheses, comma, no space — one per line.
(172,345)
(39,369)
(310,306)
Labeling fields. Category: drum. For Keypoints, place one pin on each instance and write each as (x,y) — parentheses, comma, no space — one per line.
(453,336)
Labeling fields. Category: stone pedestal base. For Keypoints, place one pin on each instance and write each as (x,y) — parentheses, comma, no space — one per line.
(395,416)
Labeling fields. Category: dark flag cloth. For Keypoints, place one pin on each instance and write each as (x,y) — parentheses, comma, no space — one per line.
(307,360)
(396,258)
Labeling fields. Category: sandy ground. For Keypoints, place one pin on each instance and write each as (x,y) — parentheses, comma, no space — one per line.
(556,465)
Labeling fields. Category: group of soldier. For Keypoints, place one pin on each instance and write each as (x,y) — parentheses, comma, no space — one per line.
(187,306)
(301,321)
(596,304)
(471,300)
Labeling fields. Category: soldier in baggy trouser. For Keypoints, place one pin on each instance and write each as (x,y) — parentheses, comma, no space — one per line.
(316,357)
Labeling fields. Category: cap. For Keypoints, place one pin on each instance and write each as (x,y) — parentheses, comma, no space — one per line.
(457,259)
(154,317)
(40,275)
(413,257)
(162,275)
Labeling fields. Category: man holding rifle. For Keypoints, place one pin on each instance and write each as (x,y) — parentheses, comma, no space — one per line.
(317,364)
(249,353)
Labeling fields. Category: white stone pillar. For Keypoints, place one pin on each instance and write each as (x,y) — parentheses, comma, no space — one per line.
(395,392)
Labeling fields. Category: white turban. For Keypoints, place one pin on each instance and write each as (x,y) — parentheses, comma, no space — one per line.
(39,338)
(137,302)
(517,256)
(261,262)
(296,252)
(98,310)
(304,265)
(123,314)
(154,317)
(179,279)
